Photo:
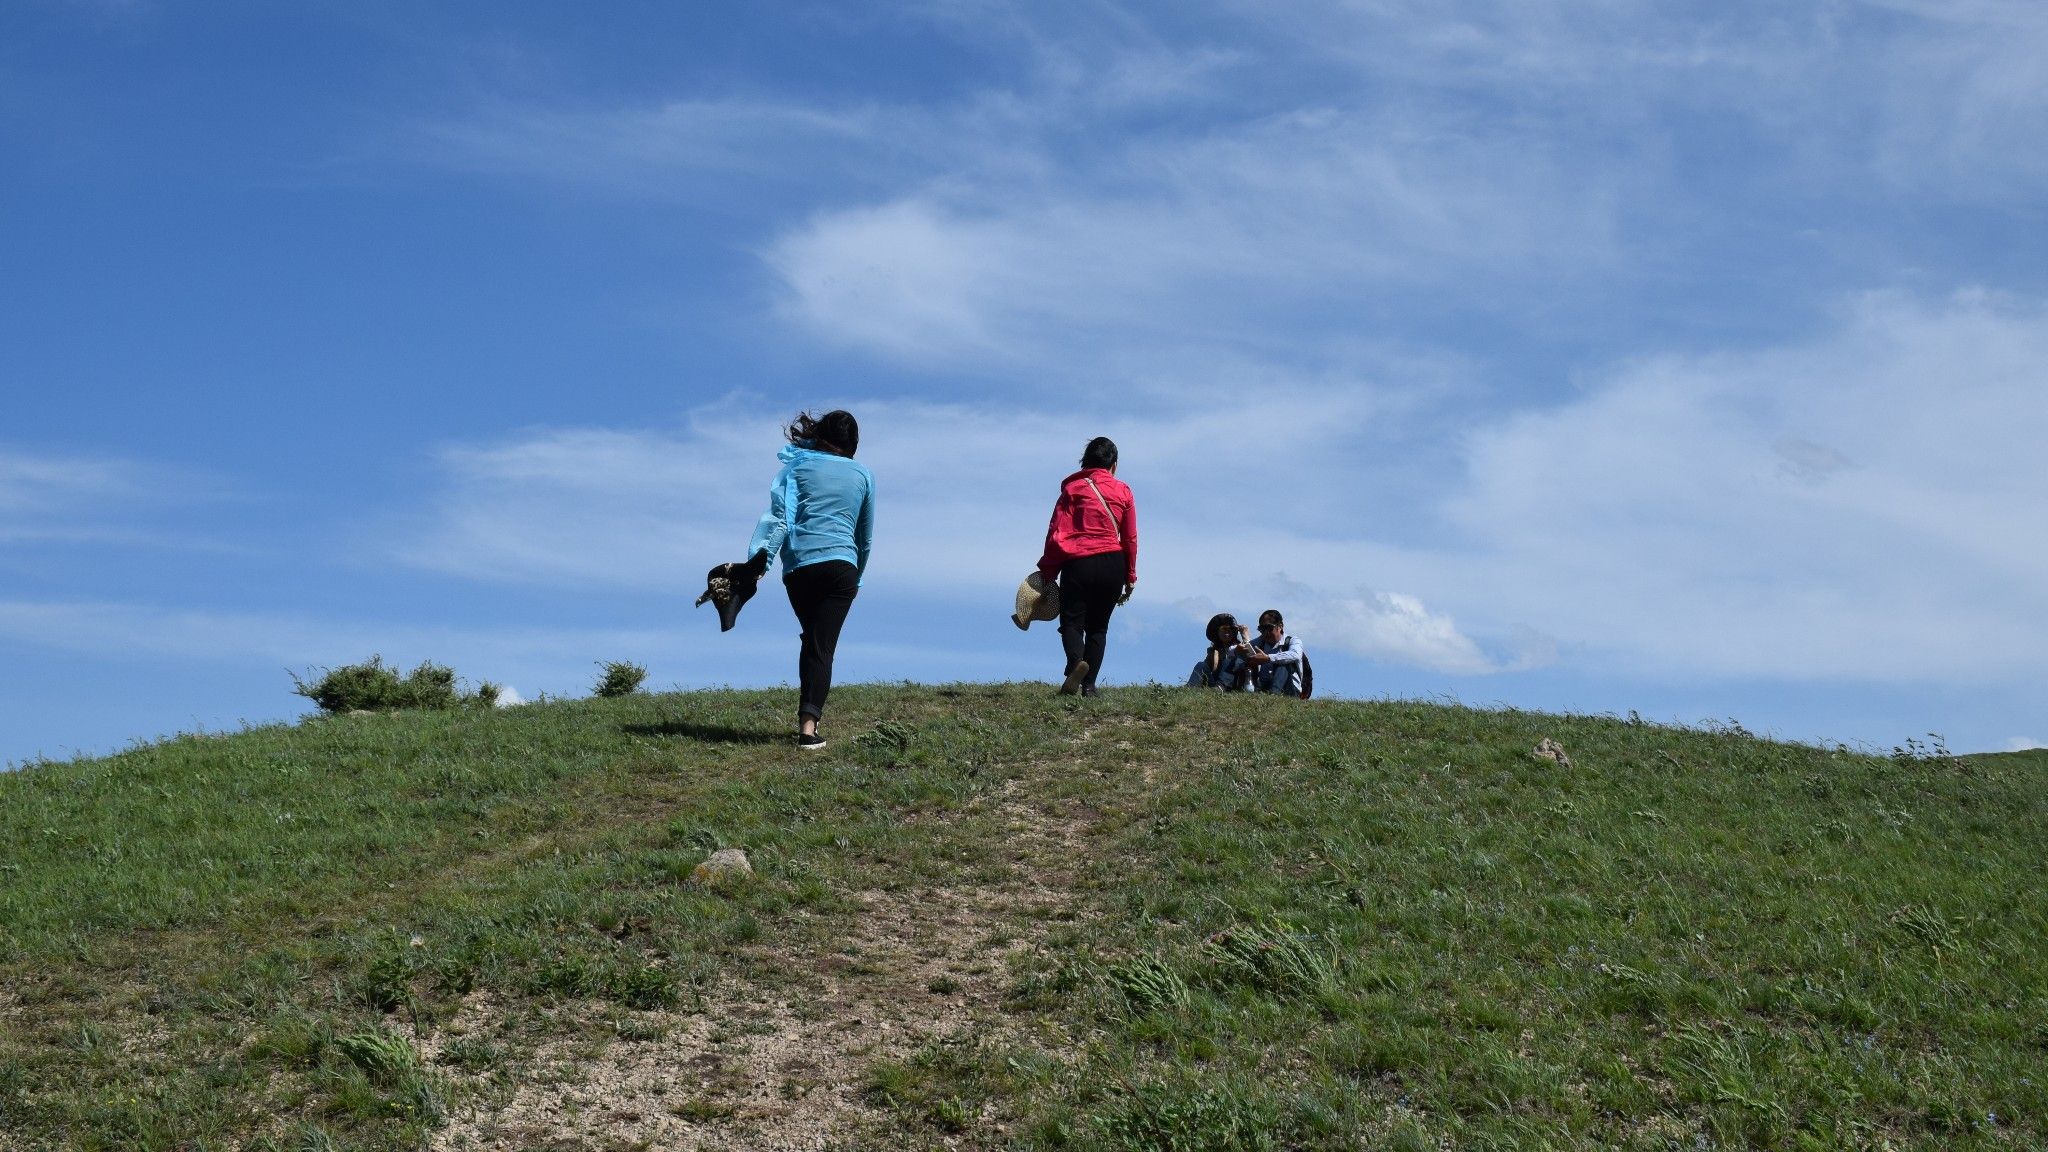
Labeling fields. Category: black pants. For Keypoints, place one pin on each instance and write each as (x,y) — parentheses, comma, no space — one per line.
(820,593)
(1089,587)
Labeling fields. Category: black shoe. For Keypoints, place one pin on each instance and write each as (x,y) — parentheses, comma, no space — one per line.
(1075,678)
(1088,693)
(809,741)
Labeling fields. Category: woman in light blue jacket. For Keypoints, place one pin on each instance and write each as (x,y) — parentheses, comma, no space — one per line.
(820,523)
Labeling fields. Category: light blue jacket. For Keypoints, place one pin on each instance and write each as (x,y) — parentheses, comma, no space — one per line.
(821,508)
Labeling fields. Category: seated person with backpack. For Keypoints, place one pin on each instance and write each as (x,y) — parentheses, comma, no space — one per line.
(1224,665)
(1278,662)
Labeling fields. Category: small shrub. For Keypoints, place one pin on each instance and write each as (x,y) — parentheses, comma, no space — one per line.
(374,686)
(621,678)
(456,976)
(886,743)
(387,984)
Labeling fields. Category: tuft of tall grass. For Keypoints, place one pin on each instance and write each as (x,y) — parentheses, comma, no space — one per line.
(1149,984)
(1273,957)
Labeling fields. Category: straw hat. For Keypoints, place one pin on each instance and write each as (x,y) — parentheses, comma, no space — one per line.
(1037,599)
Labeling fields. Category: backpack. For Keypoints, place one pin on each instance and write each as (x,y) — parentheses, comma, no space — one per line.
(1308,677)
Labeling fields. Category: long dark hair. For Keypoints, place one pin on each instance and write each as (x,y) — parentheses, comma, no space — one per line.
(836,432)
(1100,453)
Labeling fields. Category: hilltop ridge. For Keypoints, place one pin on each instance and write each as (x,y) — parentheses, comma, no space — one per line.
(991,917)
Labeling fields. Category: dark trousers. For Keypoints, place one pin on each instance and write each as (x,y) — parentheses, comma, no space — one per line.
(1089,587)
(821,594)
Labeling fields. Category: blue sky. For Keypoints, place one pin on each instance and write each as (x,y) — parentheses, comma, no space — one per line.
(1683,358)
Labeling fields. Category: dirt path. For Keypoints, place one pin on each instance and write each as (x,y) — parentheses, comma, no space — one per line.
(787,1067)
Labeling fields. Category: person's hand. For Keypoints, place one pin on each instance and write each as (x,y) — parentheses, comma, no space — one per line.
(1128,589)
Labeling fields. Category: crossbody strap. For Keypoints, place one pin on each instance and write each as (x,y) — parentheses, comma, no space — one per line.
(1105,510)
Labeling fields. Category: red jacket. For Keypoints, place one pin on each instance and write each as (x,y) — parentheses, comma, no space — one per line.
(1080,527)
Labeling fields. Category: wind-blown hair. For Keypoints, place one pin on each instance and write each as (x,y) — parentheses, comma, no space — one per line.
(836,432)
(1100,453)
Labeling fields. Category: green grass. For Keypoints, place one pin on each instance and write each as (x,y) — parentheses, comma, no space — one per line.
(1332,925)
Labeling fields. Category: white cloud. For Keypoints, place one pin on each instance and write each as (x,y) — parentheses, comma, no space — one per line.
(2024,744)
(1944,98)
(963,496)
(1328,167)
(596,506)
(1541,116)
(1263,222)
(58,498)
(34,483)
(1854,504)
(1966,97)
(1224,239)
(1387,626)
(672,148)
(1857,507)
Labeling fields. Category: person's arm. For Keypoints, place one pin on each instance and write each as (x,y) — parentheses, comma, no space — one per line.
(1288,653)
(864,530)
(1130,534)
(1049,563)
(773,526)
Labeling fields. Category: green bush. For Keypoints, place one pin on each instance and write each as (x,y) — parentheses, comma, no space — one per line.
(374,686)
(621,678)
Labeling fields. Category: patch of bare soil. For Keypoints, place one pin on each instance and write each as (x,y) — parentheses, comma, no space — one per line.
(14,1020)
(784,1067)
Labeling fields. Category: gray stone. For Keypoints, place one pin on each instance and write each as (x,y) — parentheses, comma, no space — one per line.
(727,866)
(1552,751)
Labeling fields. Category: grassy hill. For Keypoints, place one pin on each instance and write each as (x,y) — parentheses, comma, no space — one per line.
(991,917)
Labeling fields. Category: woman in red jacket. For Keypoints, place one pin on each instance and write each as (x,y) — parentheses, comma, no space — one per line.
(1092,547)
